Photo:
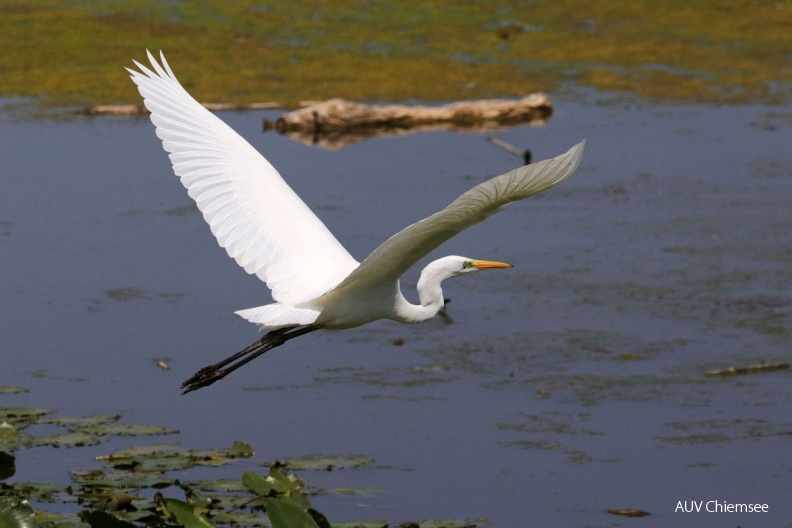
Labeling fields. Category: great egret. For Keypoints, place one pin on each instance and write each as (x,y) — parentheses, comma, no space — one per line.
(270,231)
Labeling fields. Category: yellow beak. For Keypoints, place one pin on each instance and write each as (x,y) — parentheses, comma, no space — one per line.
(488,264)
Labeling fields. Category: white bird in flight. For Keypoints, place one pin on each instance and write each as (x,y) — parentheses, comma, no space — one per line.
(270,232)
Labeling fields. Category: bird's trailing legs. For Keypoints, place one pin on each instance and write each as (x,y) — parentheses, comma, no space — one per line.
(208,375)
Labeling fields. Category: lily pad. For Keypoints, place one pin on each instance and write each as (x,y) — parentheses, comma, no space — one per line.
(321,462)
(121,479)
(21,417)
(74,438)
(172,457)
(122,429)
(219,485)
(38,491)
(241,450)
(364,491)
(4,389)
(79,421)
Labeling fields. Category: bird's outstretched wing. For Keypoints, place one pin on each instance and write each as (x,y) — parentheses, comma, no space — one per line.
(254,214)
(397,254)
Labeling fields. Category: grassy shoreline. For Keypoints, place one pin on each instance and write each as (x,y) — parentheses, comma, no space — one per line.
(65,54)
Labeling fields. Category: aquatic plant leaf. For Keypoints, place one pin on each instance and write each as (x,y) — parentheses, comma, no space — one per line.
(38,491)
(10,438)
(169,457)
(318,518)
(184,514)
(76,438)
(58,520)
(16,513)
(284,513)
(121,479)
(257,484)
(361,491)
(7,465)
(223,485)
(122,429)
(127,294)
(288,485)
(277,483)
(241,450)
(4,389)
(100,519)
(161,450)
(79,421)
(321,462)
(21,417)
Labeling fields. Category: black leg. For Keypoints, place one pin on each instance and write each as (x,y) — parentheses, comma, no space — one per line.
(212,373)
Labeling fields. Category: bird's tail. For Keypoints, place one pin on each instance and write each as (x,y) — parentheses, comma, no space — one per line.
(277,315)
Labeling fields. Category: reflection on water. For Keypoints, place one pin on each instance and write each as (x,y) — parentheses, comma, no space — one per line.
(572,384)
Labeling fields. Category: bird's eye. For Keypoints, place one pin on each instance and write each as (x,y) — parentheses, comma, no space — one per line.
(467,264)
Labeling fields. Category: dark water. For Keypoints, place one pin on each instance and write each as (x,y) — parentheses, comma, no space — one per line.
(571,384)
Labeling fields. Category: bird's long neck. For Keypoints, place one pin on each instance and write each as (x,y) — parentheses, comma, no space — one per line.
(430,295)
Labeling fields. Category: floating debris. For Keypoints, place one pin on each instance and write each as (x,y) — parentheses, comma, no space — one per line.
(628,512)
(748,369)
(162,364)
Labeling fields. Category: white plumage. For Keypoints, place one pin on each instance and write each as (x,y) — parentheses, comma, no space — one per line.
(271,233)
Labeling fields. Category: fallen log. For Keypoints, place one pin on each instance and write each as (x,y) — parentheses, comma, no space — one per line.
(340,114)
(336,123)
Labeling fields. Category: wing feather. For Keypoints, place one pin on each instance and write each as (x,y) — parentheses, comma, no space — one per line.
(397,254)
(254,214)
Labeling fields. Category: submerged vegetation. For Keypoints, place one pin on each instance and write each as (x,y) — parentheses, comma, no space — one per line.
(72,53)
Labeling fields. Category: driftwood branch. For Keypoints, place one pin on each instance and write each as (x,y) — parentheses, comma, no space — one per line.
(748,369)
(336,114)
(337,122)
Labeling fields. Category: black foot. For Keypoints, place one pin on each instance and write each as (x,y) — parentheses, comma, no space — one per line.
(203,378)
(208,375)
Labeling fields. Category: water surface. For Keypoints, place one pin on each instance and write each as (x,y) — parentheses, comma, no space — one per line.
(571,384)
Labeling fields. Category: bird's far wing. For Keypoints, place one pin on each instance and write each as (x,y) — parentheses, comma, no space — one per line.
(254,214)
(397,254)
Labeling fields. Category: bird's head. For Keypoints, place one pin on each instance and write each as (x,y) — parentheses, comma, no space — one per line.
(428,286)
(452,266)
